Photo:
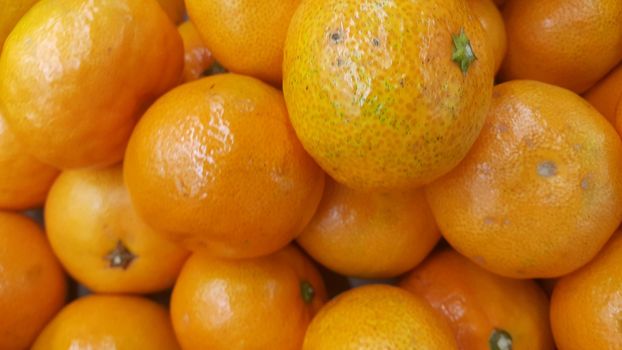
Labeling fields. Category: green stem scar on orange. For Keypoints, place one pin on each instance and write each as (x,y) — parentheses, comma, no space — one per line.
(307,292)
(500,340)
(463,53)
(120,256)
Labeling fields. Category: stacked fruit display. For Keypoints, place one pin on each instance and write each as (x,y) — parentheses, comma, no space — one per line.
(310,174)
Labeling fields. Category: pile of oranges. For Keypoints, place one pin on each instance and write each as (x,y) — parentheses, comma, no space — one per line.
(310,174)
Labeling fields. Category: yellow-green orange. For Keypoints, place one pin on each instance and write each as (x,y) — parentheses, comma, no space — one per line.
(374,92)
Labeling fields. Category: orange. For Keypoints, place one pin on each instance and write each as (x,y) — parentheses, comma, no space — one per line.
(197,57)
(175,9)
(541,190)
(492,22)
(386,95)
(485,311)
(24,181)
(585,306)
(216,164)
(352,231)
(260,303)
(32,287)
(12,11)
(606,94)
(378,317)
(101,241)
(618,118)
(571,44)
(109,322)
(245,36)
(72,84)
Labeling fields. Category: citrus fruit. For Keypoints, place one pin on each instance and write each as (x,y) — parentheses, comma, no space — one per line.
(352,231)
(72,84)
(109,322)
(24,181)
(606,94)
(492,22)
(12,11)
(571,44)
(541,190)
(486,311)
(101,241)
(245,36)
(197,57)
(260,303)
(32,287)
(585,306)
(389,94)
(216,164)
(175,9)
(378,317)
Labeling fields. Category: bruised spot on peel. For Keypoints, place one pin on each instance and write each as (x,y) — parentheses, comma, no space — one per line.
(547,168)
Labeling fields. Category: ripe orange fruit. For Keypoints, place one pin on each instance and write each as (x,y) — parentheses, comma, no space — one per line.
(216,164)
(32,287)
(541,190)
(109,322)
(260,303)
(197,57)
(571,44)
(378,317)
(352,231)
(492,22)
(486,311)
(12,11)
(606,94)
(618,118)
(386,95)
(175,9)
(24,181)
(245,36)
(100,239)
(72,84)
(585,306)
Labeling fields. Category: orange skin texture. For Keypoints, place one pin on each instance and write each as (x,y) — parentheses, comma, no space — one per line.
(618,118)
(541,190)
(476,302)
(109,322)
(352,231)
(197,57)
(175,9)
(24,181)
(212,161)
(374,95)
(87,213)
(585,306)
(12,11)
(572,44)
(491,20)
(605,95)
(72,85)
(33,284)
(254,30)
(378,317)
(245,304)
